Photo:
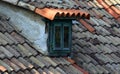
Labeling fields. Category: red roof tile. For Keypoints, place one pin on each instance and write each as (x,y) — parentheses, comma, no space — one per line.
(51,13)
(2,68)
(115,9)
(111,9)
(89,27)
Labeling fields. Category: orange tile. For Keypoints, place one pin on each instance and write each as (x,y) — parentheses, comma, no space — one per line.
(89,27)
(76,66)
(103,4)
(82,70)
(111,9)
(3,69)
(50,13)
(115,9)
(114,14)
(70,60)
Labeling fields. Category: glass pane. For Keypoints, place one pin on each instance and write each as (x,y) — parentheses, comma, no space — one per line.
(57,36)
(66,36)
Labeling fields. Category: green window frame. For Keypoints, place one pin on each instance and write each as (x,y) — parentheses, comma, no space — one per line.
(60,37)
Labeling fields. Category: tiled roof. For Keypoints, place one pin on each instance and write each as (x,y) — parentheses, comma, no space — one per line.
(98,52)
(64,4)
(61,8)
(18,56)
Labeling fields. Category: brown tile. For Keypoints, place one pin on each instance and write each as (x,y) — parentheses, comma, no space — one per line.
(27,72)
(113,13)
(19,51)
(54,71)
(10,37)
(15,67)
(41,58)
(90,28)
(50,61)
(18,63)
(33,51)
(33,71)
(7,26)
(47,71)
(41,71)
(17,37)
(25,62)
(20,72)
(56,60)
(2,29)
(103,4)
(53,13)
(2,68)
(60,70)
(115,9)
(6,66)
(99,5)
(64,68)
(37,62)
(109,2)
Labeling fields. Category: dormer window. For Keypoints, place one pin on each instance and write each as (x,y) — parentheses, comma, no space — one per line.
(59,28)
(60,36)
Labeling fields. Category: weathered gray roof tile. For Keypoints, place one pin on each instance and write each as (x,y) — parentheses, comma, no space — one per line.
(14,66)
(27,72)
(34,52)
(34,71)
(41,58)
(6,26)
(3,42)
(54,71)
(6,38)
(25,62)
(24,50)
(102,69)
(26,5)
(11,38)
(13,51)
(38,62)
(6,52)
(50,60)
(18,56)
(17,37)
(6,66)
(12,1)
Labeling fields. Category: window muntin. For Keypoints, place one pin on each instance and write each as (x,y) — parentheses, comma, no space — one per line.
(57,36)
(66,36)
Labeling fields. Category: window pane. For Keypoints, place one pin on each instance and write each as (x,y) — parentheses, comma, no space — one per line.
(66,36)
(57,36)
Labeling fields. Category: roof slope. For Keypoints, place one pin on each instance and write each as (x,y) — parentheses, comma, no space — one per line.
(59,8)
(17,56)
(99,52)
